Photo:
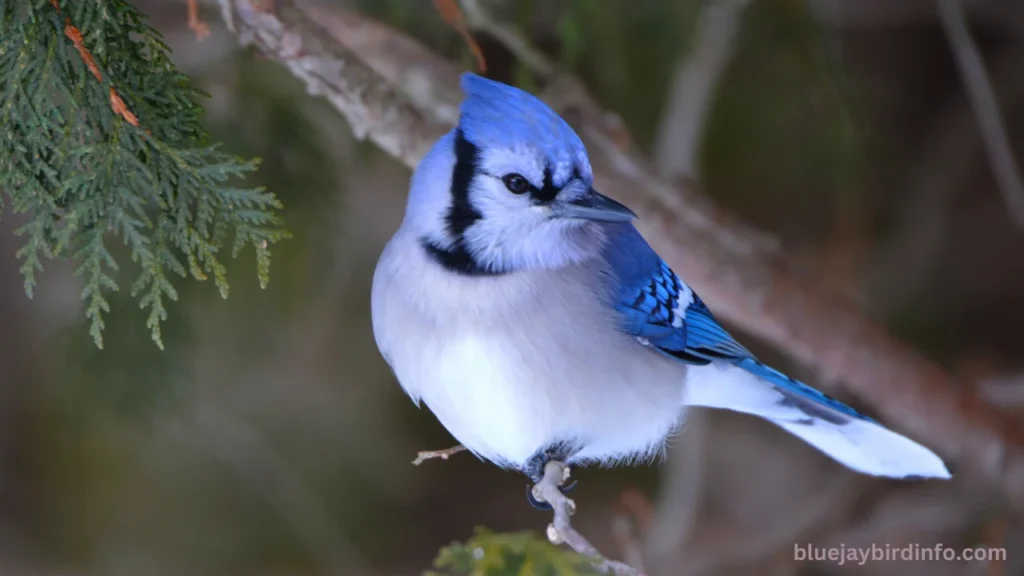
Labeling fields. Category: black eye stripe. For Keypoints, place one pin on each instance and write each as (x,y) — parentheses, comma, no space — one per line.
(548,192)
(518,184)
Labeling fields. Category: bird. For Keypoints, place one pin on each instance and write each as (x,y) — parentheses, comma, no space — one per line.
(529,314)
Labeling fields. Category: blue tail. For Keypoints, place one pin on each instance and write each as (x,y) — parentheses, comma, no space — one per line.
(801,394)
(836,429)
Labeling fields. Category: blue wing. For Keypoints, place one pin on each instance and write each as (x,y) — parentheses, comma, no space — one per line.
(667,315)
(662,312)
(659,308)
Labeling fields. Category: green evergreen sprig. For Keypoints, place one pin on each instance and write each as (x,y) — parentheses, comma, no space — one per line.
(511,554)
(101,140)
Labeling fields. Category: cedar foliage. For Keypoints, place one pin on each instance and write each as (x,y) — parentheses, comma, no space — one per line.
(100,142)
(488,553)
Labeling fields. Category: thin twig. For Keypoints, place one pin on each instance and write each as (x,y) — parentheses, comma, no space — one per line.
(75,35)
(120,108)
(449,10)
(478,18)
(195,23)
(560,531)
(986,107)
(425,455)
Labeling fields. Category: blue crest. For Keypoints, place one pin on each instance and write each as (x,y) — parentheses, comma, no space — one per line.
(499,115)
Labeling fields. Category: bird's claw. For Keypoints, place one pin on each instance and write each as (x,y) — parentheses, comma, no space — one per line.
(539,504)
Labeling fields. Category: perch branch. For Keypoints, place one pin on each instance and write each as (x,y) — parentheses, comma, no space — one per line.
(560,531)
(740,272)
(986,107)
(424,455)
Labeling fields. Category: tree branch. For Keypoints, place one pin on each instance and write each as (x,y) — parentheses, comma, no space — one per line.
(738,270)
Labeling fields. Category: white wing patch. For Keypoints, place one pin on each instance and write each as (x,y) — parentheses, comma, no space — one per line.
(683,301)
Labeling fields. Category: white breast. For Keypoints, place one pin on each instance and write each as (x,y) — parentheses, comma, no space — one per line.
(513,363)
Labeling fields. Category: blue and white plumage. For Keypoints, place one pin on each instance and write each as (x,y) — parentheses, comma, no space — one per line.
(531,317)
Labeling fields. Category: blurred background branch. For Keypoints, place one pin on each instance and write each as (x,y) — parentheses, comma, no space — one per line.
(986,107)
(693,89)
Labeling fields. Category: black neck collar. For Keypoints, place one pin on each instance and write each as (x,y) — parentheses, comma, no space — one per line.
(462,214)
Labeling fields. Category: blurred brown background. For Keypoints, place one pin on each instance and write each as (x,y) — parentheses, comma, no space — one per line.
(270,439)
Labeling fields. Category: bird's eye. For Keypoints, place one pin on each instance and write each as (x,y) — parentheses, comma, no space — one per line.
(515,183)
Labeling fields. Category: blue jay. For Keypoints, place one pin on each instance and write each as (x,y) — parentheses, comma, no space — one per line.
(532,318)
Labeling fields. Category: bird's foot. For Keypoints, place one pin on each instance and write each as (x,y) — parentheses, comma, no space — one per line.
(544,506)
(536,469)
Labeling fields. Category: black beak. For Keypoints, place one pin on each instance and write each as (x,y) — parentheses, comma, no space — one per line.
(594,206)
